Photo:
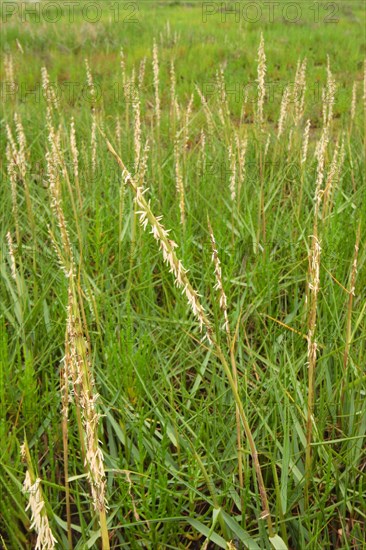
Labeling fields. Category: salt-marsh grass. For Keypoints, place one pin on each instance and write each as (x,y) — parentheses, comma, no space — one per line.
(178,471)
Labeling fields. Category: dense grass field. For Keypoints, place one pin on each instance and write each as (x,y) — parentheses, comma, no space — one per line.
(149,405)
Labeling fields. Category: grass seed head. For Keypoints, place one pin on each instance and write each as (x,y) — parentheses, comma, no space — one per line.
(261,72)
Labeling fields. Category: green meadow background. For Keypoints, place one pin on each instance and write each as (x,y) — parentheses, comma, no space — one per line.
(168,428)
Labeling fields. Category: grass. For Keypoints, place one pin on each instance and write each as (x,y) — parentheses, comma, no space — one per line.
(196,438)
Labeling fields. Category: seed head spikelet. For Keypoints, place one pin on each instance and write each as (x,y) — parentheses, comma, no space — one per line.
(305,142)
(11,256)
(167,246)
(156,82)
(74,149)
(261,72)
(219,285)
(283,112)
(36,504)
(299,91)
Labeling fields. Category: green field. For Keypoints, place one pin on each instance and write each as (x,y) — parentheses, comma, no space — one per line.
(144,405)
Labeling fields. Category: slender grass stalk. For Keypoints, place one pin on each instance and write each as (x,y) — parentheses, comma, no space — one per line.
(9,71)
(65,376)
(351,294)
(313,286)
(11,155)
(232,155)
(125,87)
(173,97)
(230,342)
(211,488)
(364,103)
(261,223)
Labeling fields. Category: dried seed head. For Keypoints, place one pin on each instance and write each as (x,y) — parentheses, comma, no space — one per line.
(11,155)
(156,83)
(137,127)
(45,538)
(49,93)
(74,149)
(173,82)
(219,285)
(143,163)
(179,179)
(329,96)
(11,256)
(299,91)
(83,385)
(261,71)
(93,143)
(167,246)
(266,147)
(53,173)
(90,81)
(22,146)
(202,157)
(320,155)
(312,349)
(142,72)
(289,146)
(315,265)
(232,161)
(223,107)
(305,141)
(242,149)
(186,123)
(334,172)
(9,71)
(283,112)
